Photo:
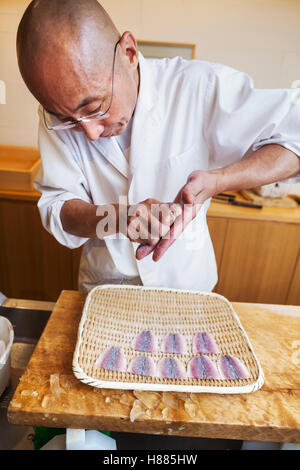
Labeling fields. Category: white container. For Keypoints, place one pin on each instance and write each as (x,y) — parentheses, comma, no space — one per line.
(80,439)
(274,190)
(280,189)
(6,341)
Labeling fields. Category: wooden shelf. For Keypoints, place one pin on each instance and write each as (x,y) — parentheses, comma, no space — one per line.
(267,214)
(18,167)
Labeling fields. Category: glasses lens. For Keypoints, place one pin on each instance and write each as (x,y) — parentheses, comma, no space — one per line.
(96,117)
(64,126)
(53,123)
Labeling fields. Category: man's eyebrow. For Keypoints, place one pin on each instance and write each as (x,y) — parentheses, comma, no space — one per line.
(82,103)
(85,102)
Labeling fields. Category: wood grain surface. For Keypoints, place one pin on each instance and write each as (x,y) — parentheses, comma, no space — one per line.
(33,265)
(258,261)
(294,290)
(18,167)
(48,394)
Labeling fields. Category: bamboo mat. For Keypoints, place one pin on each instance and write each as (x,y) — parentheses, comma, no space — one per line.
(113,315)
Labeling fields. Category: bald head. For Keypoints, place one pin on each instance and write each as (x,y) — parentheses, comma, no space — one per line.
(62,42)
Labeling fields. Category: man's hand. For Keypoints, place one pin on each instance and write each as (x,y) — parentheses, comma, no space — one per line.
(143,223)
(199,187)
(148,221)
(266,165)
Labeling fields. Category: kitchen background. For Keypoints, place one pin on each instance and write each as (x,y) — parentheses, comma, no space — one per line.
(258,253)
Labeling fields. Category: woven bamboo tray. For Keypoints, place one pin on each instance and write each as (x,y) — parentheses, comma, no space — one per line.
(113,315)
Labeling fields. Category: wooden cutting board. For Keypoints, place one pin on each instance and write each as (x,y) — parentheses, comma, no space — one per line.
(48,394)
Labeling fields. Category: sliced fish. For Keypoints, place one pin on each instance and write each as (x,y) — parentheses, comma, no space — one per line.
(202,367)
(204,343)
(145,341)
(112,359)
(142,365)
(232,368)
(171,368)
(174,343)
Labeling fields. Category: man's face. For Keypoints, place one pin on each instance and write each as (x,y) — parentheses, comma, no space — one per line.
(87,91)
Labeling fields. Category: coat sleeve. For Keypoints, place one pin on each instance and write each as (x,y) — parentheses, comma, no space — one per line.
(240,118)
(60,179)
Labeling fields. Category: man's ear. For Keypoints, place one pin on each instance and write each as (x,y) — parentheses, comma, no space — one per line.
(129,48)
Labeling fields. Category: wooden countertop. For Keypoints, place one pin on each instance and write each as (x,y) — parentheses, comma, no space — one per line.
(20,195)
(29,304)
(266,214)
(269,414)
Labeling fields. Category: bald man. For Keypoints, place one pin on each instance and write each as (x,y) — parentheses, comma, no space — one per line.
(120,135)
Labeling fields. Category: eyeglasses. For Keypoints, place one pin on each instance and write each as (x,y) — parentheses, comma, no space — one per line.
(48,117)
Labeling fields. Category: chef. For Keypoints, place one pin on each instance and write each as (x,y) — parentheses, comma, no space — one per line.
(120,134)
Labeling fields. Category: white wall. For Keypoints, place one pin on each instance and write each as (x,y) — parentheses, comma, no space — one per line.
(18,117)
(260,37)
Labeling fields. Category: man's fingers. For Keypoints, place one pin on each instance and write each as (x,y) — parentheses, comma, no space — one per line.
(175,210)
(187,194)
(163,245)
(174,232)
(143,251)
(188,214)
(184,217)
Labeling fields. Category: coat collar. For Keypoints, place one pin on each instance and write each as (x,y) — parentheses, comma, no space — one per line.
(113,154)
(147,91)
(144,120)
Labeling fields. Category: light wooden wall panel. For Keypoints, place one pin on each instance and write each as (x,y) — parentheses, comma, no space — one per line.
(258,261)
(33,265)
(293,297)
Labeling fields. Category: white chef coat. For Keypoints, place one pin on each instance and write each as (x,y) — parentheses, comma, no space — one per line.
(124,140)
(189,115)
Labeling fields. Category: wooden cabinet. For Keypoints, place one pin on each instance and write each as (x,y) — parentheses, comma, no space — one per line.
(293,297)
(33,265)
(258,261)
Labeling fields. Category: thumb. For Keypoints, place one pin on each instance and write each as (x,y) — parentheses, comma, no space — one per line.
(143,251)
(188,194)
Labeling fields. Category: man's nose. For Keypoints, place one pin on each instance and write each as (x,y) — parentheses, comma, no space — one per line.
(92,129)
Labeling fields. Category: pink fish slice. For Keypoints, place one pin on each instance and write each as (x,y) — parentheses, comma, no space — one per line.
(202,367)
(174,343)
(112,359)
(232,368)
(204,343)
(145,342)
(142,365)
(171,368)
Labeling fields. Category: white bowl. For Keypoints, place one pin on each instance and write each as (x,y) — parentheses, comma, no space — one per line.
(273,190)
(6,337)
